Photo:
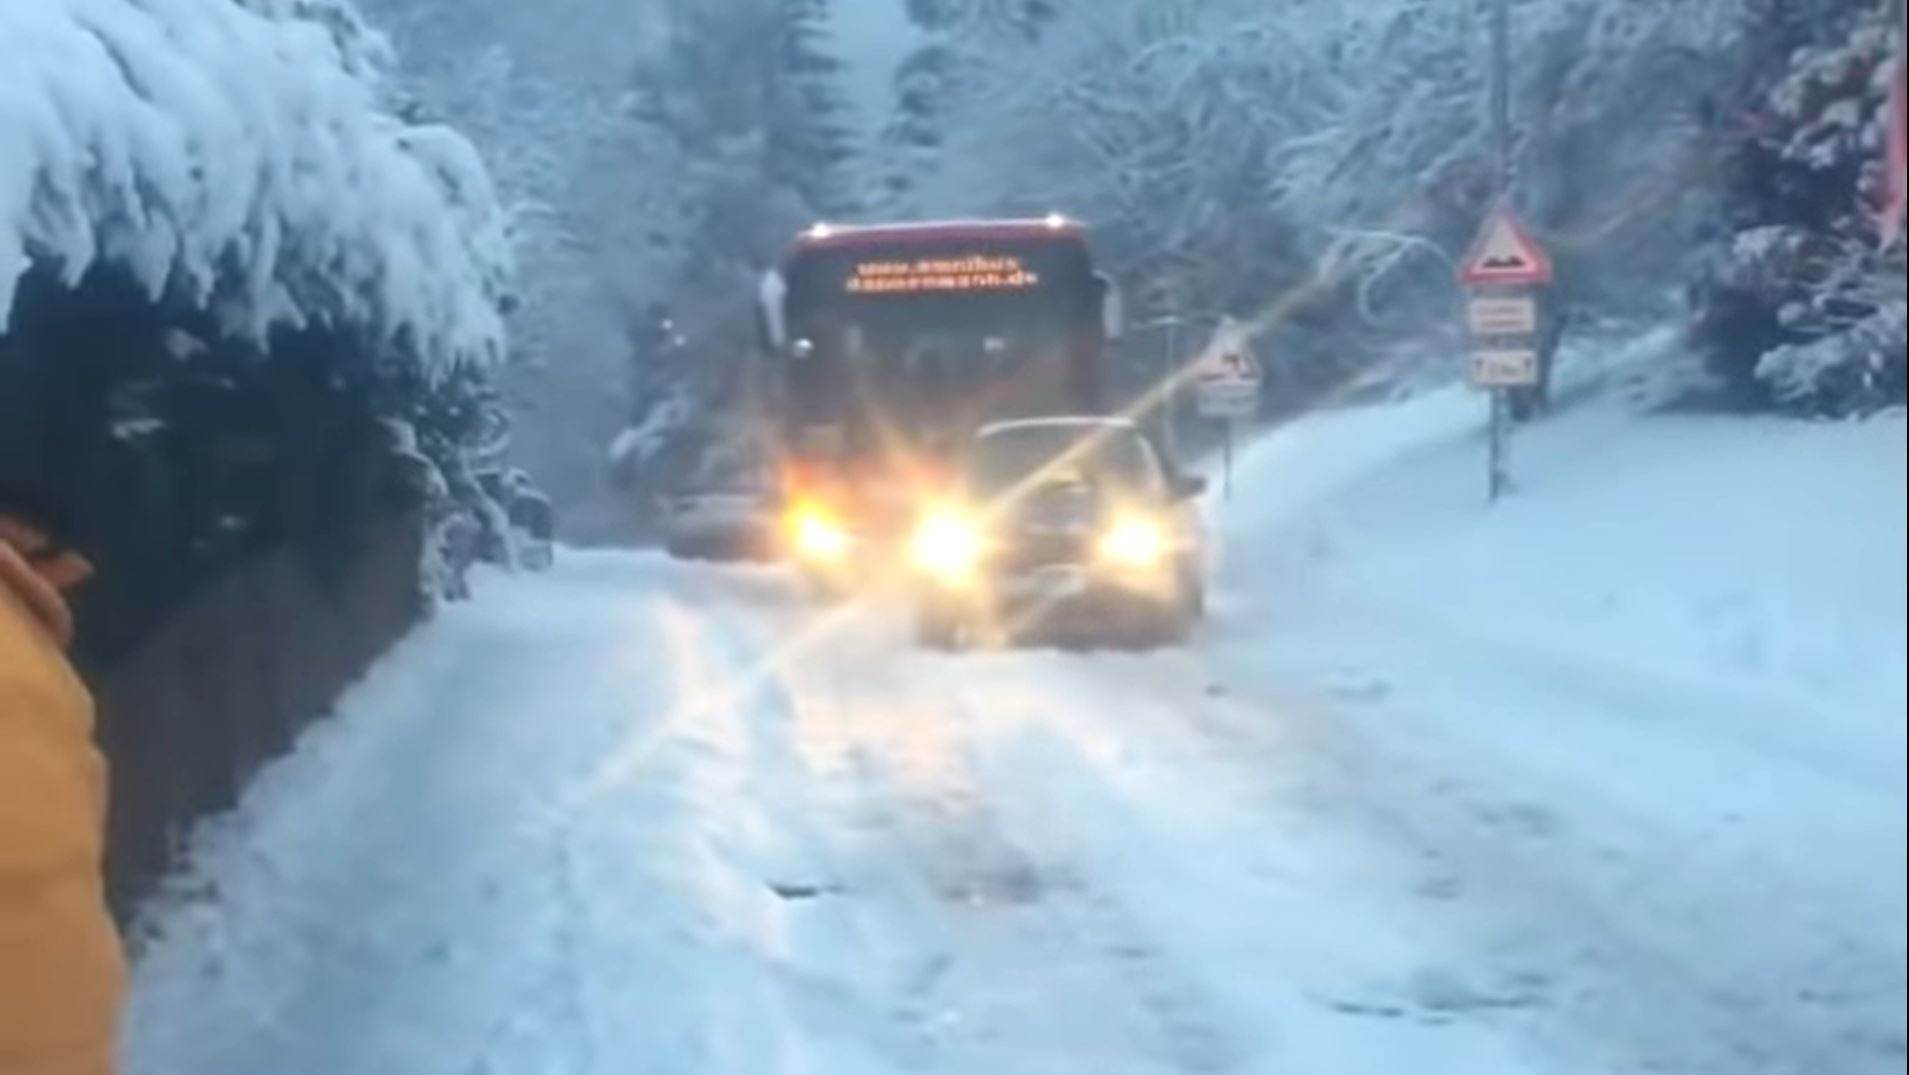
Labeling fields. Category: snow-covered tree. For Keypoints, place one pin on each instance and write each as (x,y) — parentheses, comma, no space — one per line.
(649,152)
(1317,166)
(364,51)
(589,194)
(1021,18)
(238,159)
(810,140)
(1170,127)
(909,145)
(745,100)
(1802,307)
(211,213)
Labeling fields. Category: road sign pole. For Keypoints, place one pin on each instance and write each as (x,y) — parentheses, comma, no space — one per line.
(1503,265)
(1497,480)
(1501,184)
(1501,93)
(1226,455)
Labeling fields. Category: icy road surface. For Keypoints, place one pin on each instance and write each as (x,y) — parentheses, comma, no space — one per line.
(627,820)
(1589,784)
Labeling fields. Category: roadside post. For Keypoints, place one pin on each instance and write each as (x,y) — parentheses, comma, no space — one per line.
(1166,390)
(1227,380)
(1501,274)
(1169,362)
(1173,296)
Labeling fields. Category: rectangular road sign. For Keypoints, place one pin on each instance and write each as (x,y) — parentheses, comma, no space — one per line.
(1502,315)
(1228,399)
(1506,368)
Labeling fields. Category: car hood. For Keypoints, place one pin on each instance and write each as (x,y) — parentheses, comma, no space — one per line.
(1055,508)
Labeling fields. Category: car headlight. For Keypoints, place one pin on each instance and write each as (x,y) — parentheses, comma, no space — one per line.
(817,533)
(1134,543)
(948,546)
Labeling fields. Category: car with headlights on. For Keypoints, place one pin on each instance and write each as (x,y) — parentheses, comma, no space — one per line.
(1072,527)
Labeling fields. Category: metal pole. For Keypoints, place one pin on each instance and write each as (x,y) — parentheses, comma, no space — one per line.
(1226,448)
(1501,189)
(1497,480)
(1501,93)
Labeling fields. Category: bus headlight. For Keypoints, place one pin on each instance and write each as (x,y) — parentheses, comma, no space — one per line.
(948,547)
(817,534)
(1134,543)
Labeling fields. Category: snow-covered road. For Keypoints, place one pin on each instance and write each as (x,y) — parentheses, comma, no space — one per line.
(604,832)
(642,817)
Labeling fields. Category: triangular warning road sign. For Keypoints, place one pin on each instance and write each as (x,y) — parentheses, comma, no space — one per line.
(1228,356)
(1505,253)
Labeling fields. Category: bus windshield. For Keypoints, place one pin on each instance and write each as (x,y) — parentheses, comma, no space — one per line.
(919,345)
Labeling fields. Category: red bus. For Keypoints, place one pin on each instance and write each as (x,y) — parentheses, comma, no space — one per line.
(894,342)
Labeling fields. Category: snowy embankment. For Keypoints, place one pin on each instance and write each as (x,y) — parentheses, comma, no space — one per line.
(1754,562)
(241,157)
(1605,779)
(1757,555)
(1665,679)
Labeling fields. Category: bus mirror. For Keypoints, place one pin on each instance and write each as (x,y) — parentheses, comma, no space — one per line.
(1113,314)
(772,310)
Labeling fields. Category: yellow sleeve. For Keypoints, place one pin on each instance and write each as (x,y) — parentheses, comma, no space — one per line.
(61,974)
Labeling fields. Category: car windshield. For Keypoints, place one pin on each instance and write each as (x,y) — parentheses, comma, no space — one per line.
(1023,457)
(954,537)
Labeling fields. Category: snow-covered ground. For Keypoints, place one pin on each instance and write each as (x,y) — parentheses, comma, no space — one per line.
(1606,778)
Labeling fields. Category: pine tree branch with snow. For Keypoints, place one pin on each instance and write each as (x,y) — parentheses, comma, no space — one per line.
(1802,308)
(239,158)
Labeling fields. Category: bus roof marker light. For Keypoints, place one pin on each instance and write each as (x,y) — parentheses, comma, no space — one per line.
(821,231)
(1056,221)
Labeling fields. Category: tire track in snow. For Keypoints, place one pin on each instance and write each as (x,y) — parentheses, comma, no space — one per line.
(899,749)
(759,998)
(379,901)
(1667,937)
(1216,843)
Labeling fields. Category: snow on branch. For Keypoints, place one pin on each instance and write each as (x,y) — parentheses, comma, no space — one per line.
(236,155)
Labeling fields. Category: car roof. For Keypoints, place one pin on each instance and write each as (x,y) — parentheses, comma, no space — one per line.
(1083,423)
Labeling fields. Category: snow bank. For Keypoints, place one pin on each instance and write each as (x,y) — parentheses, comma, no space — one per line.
(1664,680)
(238,157)
(1758,554)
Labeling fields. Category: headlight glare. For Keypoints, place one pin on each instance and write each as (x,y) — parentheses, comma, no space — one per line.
(817,533)
(947,545)
(1134,543)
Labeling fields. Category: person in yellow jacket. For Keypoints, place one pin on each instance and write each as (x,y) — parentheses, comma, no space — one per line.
(61,972)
